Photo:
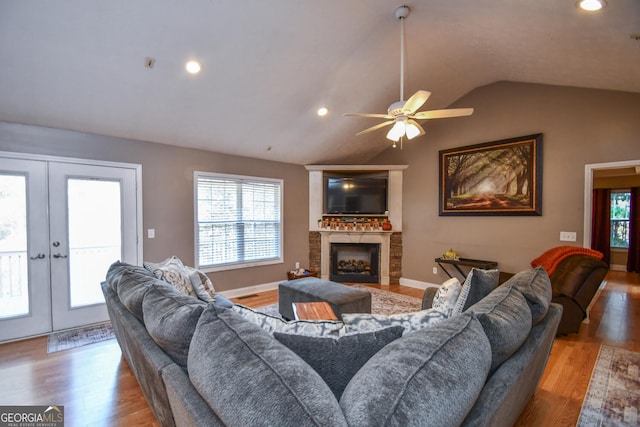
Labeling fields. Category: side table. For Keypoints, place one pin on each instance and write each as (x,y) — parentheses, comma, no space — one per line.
(465,262)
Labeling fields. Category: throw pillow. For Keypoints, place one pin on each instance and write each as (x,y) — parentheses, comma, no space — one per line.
(171,318)
(446,297)
(172,270)
(273,324)
(202,285)
(506,320)
(478,284)
(338,359)
(248,378)
(411,322)
(431,377)
(535,285)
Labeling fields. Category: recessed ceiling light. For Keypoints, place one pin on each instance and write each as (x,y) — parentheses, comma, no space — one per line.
(591,5)
(322,111)
(193,67)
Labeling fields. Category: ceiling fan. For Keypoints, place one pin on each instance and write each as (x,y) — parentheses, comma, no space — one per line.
(403,114)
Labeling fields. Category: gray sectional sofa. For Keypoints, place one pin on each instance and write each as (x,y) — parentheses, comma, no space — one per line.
(208,363)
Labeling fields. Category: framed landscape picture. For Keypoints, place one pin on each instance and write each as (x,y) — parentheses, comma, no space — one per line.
(494,178)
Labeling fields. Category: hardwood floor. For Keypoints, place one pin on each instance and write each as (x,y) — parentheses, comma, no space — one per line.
(97,388)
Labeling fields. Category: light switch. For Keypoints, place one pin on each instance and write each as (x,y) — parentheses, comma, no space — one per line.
(151,233)
(567,236)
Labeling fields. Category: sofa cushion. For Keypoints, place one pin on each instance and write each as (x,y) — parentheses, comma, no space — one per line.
(446,297)
(249,378)
(117,269)
(202,285)
(337,359)
(431,377)
(506,320)
(276,324)
(132,286)
(173,271)
(411,322)
(535,285)
(171,318)
(478,284)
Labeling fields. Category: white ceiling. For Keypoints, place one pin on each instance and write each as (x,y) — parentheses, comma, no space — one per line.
(269,65)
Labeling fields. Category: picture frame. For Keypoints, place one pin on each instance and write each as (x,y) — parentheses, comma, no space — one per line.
(497,178)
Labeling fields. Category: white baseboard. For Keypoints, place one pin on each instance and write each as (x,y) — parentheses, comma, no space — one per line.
(240,292)
(417,283)
(618,267)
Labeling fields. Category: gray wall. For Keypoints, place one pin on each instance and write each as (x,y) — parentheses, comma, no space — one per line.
(167,179)
(579,126)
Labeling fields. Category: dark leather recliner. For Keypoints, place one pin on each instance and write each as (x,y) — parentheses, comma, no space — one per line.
(574,282)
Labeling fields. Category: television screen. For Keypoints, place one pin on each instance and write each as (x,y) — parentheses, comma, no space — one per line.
(356,195)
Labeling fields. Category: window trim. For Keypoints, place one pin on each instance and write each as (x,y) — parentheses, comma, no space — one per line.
(240,264)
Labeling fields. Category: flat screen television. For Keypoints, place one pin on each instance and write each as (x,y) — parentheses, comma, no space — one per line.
(355,195)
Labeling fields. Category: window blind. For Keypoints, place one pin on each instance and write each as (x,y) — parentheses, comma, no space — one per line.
(238,220)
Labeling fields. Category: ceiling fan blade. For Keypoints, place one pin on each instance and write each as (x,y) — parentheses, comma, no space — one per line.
(416,101)
(376,127)
(443,114)
(377,116)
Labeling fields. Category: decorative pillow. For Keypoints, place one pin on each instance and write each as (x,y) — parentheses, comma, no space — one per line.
(248,378)
(202,285)
(273,324)
(172,270)
(338,359)
(411,322)
(535,285)
(171,318)
(447,296)
(478,284)
(506,320)
(431,377)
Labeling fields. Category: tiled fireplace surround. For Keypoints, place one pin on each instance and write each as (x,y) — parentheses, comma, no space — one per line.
(390,241)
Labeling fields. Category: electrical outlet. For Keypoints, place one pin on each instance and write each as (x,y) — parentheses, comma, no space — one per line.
(435,270)
(567,236)
(151,233)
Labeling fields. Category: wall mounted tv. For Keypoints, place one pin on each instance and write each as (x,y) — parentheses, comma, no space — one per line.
(356,195)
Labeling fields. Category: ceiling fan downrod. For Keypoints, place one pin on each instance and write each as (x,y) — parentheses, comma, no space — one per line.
(401,13)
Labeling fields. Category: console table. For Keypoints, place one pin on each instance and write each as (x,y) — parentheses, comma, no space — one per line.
(465,262)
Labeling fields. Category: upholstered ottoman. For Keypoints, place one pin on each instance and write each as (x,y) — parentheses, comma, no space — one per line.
(341,298)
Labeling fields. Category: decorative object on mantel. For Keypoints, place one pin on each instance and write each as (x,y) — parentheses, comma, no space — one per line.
(358,224)
(403,114)
(494,178)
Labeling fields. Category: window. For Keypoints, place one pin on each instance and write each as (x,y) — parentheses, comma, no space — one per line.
(238,221)
(620,204)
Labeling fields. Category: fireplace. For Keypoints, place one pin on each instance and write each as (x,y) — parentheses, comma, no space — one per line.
(355,262)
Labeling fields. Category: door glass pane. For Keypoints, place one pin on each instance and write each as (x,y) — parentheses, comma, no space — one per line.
(14,289)
(95,231)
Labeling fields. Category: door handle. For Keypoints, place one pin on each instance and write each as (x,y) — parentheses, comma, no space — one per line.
(39,256)
(59,255)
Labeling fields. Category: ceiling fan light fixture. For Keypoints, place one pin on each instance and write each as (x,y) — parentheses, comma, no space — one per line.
(397,131)
(412,131)
(591,5)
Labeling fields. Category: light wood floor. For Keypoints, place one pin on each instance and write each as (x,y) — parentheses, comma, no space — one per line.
(97,388)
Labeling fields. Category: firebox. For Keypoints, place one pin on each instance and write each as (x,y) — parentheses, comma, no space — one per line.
(355,262)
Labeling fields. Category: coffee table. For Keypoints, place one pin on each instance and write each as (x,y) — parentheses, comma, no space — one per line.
(313,311)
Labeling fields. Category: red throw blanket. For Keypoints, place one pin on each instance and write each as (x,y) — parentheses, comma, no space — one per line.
(551,258)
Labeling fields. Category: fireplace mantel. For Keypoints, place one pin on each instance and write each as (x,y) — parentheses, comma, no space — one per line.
(383,238)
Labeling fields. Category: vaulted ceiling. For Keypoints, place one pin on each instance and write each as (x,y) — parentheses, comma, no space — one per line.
(269,65)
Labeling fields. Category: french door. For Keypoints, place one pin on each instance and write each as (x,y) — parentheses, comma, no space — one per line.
(61,225)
